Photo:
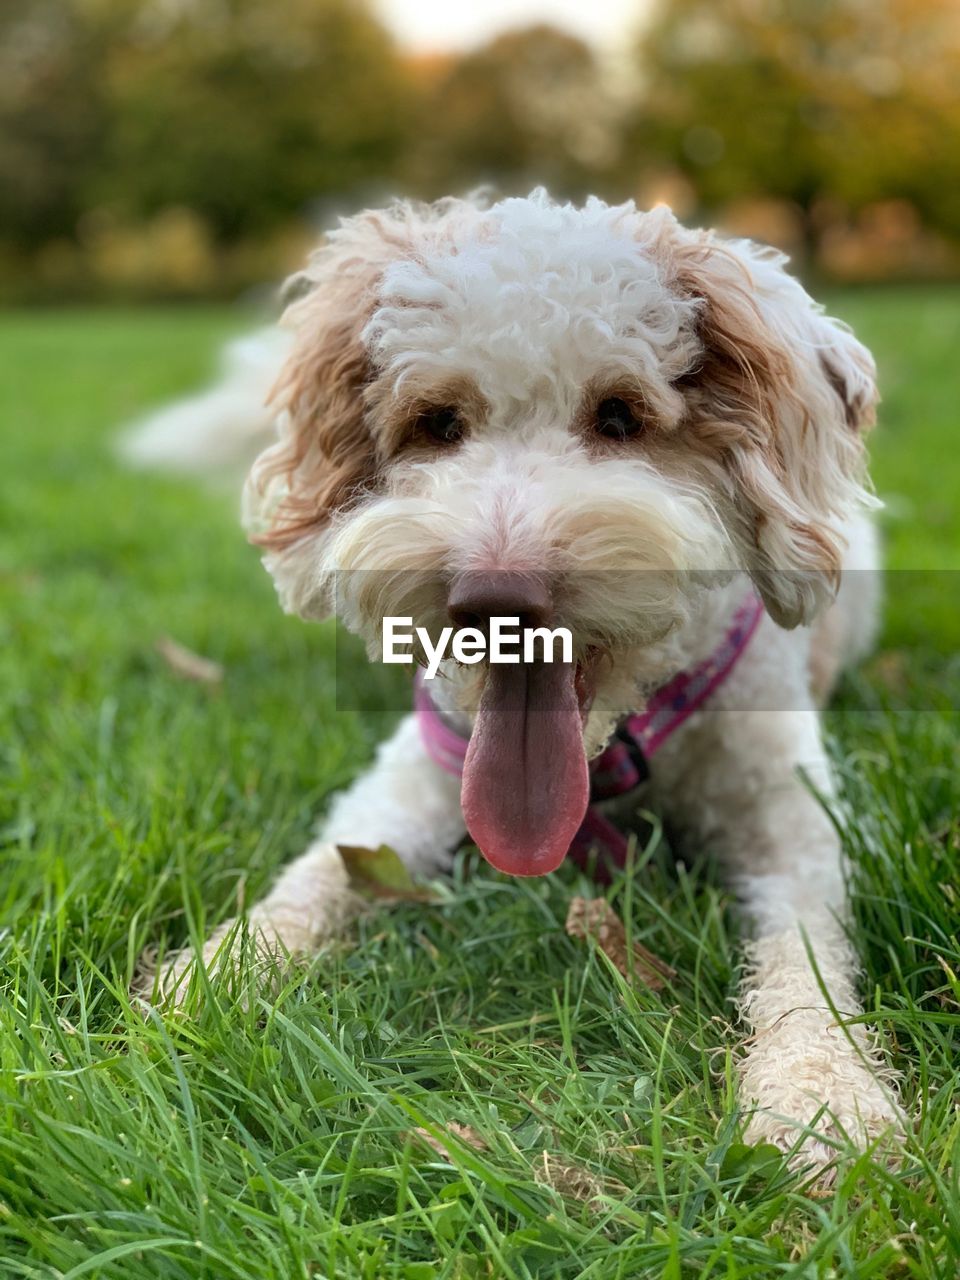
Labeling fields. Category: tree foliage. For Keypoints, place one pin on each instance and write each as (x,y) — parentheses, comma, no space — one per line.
(241,111)
(247,112)
(52,116)
(131,130)
(804,99)
(531,106)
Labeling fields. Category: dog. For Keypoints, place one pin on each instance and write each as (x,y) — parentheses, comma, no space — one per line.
(589,416)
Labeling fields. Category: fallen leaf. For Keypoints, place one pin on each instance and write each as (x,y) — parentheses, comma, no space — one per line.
(461,1131)
(573,1181)
(187,664)
(890,669)
(380,874)
(595,918)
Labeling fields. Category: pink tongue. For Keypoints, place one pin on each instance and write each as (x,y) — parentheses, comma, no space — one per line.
(525,779)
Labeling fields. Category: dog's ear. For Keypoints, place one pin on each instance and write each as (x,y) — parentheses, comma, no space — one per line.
(325,459)
(324,454)
(781,398)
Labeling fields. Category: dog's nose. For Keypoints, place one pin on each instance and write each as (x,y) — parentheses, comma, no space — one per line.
(476,596)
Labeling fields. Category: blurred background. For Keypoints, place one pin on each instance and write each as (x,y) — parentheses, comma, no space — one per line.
(165,163)
(180,149)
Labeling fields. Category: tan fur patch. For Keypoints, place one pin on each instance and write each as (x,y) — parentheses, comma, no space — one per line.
(330,456)
(751,403)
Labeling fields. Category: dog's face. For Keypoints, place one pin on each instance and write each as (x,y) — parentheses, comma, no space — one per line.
(577,415)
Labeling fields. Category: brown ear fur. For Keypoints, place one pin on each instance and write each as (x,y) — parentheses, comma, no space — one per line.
(849,370)
(763,406)
(327,456)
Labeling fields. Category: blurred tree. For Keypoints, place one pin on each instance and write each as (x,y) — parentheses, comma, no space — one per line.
(531,106)
(52,116)
(806,99)
(909,141)
(247,112)
(244,112)
(130,129)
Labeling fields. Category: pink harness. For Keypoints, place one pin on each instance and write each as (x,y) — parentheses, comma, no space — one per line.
(623,764)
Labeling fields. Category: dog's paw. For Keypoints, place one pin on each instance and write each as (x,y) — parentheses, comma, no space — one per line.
(167,984)
(815,1092)
(268,944)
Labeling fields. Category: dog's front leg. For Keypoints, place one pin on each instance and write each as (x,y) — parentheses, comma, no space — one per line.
(739,779)
(404,800)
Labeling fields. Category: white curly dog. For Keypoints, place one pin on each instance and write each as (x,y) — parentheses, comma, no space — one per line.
(598,418)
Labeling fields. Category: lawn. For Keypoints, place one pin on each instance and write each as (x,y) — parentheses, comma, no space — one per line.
(280,1140)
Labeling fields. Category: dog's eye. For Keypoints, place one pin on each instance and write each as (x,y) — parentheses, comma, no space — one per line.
(442,425)
(616,420)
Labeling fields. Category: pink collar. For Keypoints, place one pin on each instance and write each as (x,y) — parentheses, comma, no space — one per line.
(622,765)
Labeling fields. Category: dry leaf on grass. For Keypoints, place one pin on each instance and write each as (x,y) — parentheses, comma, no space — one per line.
(595,918)
(380,874)
(890,668)
(187,664)
(573,1181)
(461,1131)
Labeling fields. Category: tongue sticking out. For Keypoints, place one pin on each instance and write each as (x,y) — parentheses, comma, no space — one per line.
(525,779)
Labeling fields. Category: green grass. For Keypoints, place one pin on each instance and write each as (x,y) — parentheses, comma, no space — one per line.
(277,1140)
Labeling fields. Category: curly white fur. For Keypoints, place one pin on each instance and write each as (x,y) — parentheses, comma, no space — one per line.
(525,314)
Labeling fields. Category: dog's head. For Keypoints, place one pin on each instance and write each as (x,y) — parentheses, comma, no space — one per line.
(575,415)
